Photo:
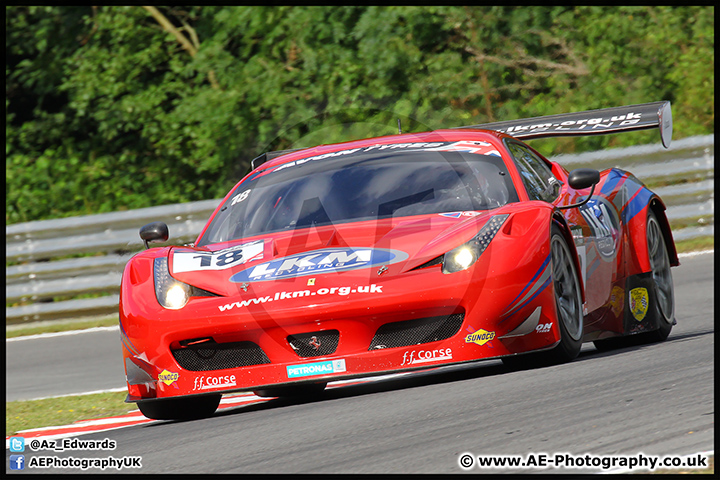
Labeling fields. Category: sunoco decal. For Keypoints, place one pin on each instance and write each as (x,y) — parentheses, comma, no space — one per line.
(639,303)
(167,377)
(318,368)
(480,337)
(219,260)
(318,262)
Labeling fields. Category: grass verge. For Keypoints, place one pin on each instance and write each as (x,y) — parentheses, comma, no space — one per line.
(26,414)
(701,221)
(698,244)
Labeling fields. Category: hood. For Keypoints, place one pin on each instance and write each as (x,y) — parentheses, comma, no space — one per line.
(404,243)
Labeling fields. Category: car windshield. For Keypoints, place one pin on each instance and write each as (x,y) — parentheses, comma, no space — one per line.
(360,187)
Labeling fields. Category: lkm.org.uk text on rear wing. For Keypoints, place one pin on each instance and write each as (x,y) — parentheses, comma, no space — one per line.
(590,122)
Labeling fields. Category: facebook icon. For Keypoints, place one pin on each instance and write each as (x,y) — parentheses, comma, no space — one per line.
(17,462)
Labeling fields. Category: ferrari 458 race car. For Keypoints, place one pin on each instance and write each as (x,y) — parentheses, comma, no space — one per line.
(398,253)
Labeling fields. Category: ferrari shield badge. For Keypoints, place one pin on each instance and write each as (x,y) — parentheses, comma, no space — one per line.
(639,303)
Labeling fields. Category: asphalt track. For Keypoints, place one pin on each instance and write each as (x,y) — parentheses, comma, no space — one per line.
(656,399)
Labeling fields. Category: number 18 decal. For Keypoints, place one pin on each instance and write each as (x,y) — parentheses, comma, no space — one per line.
(220,260)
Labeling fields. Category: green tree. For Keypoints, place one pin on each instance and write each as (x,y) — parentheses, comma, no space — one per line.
(119,107)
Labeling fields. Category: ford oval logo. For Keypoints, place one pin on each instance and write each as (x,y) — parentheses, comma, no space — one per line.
(320,261)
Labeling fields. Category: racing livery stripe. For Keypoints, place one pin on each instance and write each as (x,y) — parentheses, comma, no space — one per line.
(636,204)
(126,341)
(613,180)
(631,189)
(542,267)
(617,192)
(592,266)
(537,284)
(538,292)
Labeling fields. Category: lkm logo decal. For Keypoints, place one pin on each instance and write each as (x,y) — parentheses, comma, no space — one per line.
(320,261)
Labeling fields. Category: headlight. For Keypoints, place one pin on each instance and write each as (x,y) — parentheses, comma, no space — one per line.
(170,293)
(465,255)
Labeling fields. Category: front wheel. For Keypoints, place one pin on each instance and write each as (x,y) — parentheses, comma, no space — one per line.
(183,408)
(568,302)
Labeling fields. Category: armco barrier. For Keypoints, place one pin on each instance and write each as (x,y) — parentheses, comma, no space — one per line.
(42,285)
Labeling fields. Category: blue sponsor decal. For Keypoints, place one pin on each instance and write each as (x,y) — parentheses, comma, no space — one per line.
(319,261)
(603,221)
(318,368)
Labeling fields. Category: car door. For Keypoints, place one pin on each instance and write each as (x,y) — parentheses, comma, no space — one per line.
(595,225)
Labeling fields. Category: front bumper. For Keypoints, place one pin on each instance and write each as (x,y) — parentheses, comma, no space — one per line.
(339,327)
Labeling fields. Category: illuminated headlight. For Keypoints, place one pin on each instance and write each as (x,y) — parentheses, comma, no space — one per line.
(465,255)
(170,293)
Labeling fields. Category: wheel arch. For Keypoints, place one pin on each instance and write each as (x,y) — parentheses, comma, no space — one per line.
(560,221)
(658,208)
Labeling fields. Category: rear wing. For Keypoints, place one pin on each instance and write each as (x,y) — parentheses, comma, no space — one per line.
(591,122)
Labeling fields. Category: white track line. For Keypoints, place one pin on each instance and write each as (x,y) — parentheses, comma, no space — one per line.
(63,334)
(110,390)
(694,254)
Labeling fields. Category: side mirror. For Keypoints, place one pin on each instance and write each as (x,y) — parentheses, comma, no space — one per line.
(583,178)
(579,179)
(154,232)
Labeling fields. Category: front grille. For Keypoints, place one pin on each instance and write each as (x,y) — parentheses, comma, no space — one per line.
(217,356)
(314,344)
(417,331)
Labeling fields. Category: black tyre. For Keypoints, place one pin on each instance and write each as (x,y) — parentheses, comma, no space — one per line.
(187,408)
(568,301)
(663,294)
(292,390)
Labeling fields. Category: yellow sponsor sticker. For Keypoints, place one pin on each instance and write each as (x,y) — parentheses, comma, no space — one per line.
(639,302)
(481,337)
(617,297)
(168,378)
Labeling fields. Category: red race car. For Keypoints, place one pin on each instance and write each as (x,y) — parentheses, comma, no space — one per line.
(398,253)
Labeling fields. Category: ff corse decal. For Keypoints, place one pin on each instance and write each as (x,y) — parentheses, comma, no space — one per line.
(320,261)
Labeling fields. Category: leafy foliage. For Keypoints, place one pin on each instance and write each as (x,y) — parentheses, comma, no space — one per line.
(110,108)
